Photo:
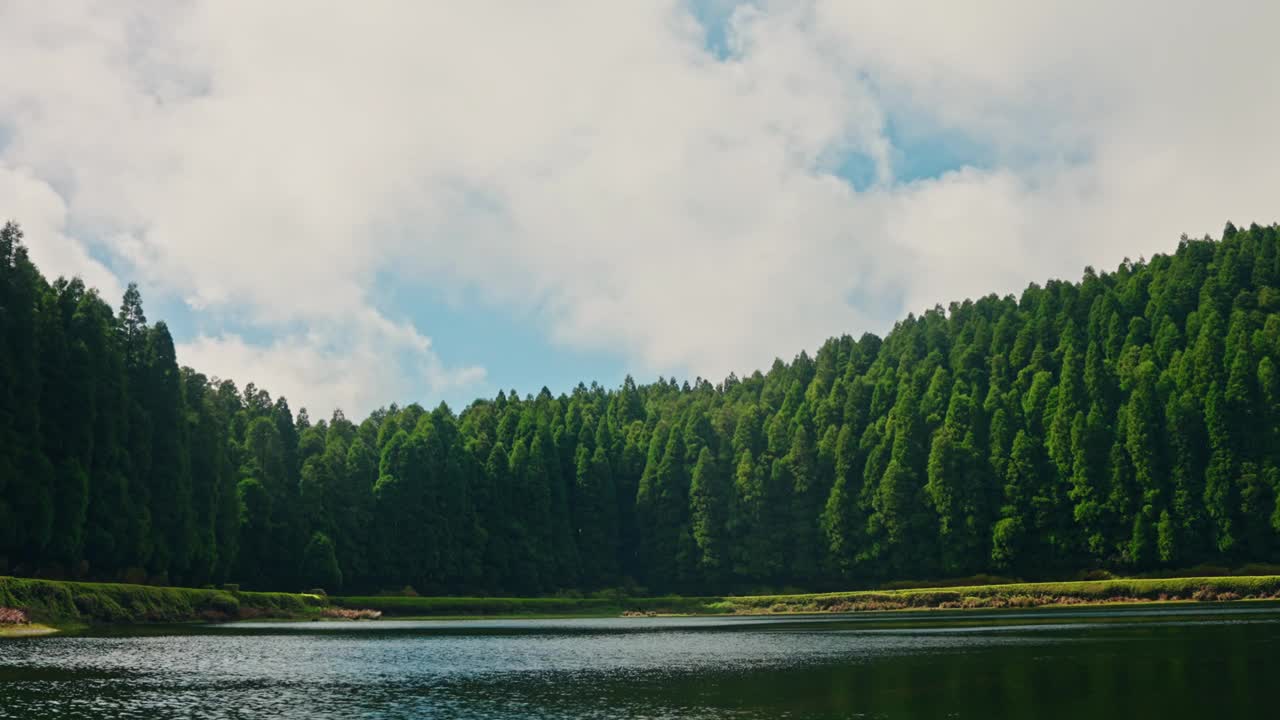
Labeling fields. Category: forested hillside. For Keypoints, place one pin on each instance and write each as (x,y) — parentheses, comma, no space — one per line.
(1129,421)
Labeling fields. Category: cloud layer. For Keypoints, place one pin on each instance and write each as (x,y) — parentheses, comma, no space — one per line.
(599,164)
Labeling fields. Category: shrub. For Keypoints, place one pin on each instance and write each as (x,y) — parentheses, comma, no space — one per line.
(970,581)
(135,576)
(1258,569)
(320,562)
(222,603)
(99,606)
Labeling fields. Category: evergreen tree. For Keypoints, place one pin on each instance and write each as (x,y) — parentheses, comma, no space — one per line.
(320,563)
(596,517)
(1128,422)
(843,522)
(709,499)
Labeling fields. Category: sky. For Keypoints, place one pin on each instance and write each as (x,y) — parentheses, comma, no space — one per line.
(353,204)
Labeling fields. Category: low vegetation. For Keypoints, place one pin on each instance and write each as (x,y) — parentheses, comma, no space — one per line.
(1200,589)
(1004,595)
(47,601)
(34,603)
(545,606)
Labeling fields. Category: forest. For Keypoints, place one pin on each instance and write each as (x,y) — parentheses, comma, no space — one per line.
(1129,422)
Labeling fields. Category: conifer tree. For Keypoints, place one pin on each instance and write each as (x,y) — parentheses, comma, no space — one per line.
(1128,422)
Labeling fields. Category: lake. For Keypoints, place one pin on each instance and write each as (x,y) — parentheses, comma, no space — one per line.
(1173,662)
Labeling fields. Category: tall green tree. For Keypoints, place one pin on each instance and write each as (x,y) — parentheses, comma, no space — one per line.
(1127,422)
(709,497)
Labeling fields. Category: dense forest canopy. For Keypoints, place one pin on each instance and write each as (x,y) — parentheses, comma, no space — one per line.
(1129,421)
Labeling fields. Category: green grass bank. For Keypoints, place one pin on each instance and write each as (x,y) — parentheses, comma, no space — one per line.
(400,606)
(1018,595)
(28,605)
(78,603)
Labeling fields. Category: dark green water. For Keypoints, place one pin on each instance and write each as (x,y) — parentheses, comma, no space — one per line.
(1186,663)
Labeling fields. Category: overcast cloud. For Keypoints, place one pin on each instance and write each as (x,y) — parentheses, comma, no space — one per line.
(596,161)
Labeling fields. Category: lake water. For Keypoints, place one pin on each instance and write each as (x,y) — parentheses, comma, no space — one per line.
(1185,662)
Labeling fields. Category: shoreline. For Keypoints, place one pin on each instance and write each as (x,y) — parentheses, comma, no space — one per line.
(65,605)
(35,630)
(56,606)
(1136,605)
(997,596)
(26,630)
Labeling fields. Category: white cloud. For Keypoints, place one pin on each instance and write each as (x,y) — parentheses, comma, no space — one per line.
(595,162)
(42,214)
(348,367)
(1117,127)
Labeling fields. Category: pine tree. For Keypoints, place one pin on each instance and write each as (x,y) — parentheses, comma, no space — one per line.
(595,517)
(320,563)
(709,499)
(843,522)
(1126,422)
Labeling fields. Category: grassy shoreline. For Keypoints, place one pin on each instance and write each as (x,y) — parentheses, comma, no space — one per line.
(1017,595)
(63,603)
(49,605)
(1008,595)
(27,630)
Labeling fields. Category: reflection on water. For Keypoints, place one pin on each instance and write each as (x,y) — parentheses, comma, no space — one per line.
(1174,663)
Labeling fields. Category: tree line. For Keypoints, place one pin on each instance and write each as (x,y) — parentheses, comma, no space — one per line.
(1129,421)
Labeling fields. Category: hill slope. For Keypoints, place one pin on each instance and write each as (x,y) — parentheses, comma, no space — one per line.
(1128,421)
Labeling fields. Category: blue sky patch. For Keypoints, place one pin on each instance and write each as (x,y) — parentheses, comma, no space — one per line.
(714,15)
(921,151)
(512,347)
